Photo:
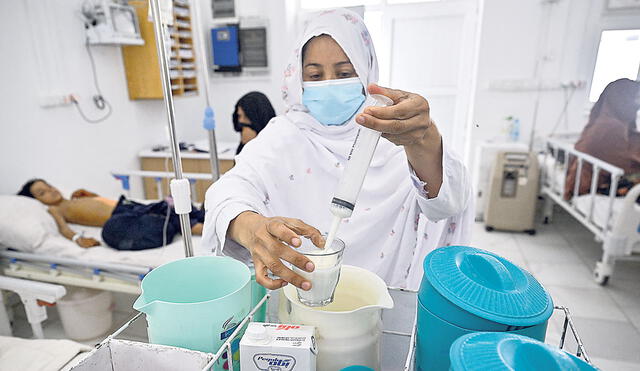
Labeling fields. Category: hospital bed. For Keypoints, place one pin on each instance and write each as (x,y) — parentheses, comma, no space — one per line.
(58,260)
(615,221)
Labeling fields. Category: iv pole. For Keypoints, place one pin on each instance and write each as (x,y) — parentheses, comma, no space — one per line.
(185,224)
(208,121)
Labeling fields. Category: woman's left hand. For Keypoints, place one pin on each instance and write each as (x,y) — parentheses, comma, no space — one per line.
(406,123)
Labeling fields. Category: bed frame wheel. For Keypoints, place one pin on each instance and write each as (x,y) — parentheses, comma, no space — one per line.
(530,232)
(602,273)
(600,279)
(488,229)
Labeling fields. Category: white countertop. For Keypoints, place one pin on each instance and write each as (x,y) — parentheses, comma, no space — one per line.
(226,151)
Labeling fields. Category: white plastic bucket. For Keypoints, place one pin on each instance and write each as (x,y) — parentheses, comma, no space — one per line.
(85,313)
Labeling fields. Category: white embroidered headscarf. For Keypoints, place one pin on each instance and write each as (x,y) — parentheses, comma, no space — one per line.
(350,32)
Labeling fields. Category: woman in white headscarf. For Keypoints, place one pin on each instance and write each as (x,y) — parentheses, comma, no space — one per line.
(416,195)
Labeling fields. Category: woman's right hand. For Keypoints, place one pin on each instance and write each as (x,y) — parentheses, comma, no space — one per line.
(272,239)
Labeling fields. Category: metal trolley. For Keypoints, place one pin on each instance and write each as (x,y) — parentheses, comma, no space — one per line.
(399,335)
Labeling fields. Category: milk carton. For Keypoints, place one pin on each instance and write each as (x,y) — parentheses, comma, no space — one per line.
(276,347)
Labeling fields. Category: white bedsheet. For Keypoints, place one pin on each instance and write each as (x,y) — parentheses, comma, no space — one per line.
(37,355)
(555,173)
(59,246)
(600,208)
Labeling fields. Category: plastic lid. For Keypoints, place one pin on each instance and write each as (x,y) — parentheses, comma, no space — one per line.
(357,368)
(487,285)
(505,351)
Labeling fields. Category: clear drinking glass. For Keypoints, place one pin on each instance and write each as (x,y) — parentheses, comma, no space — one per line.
(326,274)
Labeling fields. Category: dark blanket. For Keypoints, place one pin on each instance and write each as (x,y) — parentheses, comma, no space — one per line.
(135,226)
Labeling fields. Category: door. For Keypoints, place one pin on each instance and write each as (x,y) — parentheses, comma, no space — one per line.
(430,48)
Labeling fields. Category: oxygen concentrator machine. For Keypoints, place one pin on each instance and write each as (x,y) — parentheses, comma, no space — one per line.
(513,190)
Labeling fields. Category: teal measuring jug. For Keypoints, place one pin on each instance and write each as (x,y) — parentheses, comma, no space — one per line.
(196,303)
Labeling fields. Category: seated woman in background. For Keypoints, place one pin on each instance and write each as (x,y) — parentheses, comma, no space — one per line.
(612,136)
(126,225)
(252,113)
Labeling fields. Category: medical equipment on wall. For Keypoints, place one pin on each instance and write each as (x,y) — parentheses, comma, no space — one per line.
(111,22)
(240,47)
(223,8)
(358,161)
(513,191)
(107,22)
(225,45)
(99,100)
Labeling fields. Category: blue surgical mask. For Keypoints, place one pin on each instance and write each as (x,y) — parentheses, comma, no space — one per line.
(333,102)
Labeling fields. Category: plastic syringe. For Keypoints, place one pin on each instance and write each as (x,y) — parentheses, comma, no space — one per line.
(344,200)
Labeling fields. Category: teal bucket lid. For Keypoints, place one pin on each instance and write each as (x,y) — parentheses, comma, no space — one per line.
(486,285)
(504,351)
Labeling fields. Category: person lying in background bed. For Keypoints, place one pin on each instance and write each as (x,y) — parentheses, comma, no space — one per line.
(612,136)
(126,225)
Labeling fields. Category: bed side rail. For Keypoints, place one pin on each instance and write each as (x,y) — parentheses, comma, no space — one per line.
(74,263)
(562,152)
(124,176)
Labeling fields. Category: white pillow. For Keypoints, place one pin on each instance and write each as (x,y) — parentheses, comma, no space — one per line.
(24,222)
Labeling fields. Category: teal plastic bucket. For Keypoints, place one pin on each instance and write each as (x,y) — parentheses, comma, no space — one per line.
(196,303)
(436,335)
(499,351)
(467,290)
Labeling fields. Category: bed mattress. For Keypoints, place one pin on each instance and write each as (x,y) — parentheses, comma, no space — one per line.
(58,246)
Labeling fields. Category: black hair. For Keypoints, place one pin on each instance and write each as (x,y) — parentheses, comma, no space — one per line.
(257,108)
(26,188)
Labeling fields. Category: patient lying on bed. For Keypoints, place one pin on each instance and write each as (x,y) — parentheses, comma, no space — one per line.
(126,225)
(612,136)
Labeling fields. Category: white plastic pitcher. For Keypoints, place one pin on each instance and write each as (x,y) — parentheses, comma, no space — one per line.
(349,330)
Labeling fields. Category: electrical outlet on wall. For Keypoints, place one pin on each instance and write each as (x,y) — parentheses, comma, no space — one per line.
(55,100)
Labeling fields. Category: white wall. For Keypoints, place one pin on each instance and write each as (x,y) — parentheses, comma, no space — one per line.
(55,143)
(509,50)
